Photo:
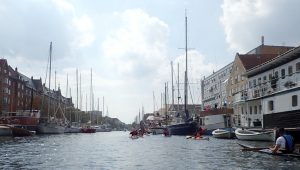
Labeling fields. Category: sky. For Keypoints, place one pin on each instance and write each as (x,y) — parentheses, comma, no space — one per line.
(129,44)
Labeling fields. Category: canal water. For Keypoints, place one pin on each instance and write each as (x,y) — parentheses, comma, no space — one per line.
(115,150)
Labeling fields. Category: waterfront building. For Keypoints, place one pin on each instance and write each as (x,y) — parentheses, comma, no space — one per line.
(238,83)
(19,92)
(273,92)
(213,88)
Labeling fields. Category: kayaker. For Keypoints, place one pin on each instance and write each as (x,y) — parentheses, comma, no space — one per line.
(284,143)
(166,132)
(134,133)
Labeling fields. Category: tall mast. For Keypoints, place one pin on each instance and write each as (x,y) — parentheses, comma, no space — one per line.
(186,73)
(55,80)
(172,86)
(103,108)
(50,58)
(80,95)
(178,97)
(67,86)
(76,95)
(91,102)
(153,102)
(98,110)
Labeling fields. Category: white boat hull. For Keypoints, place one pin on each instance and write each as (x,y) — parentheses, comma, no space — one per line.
(50,128)
(5,131)
(223,134)
(254,136)
(72,130)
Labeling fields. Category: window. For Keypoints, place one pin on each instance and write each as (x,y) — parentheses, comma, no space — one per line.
(254,82)
(255,109)
(250,84)
(260,109)
(282,73)
(298,67)
(259,81)
(265,78)
(294,100)
(276,74)
(270,77)
(271,105)
(290,70)
(250,108)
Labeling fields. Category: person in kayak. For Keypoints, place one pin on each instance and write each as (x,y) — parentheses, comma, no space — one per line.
(284,143)
(166,132)
(134,133)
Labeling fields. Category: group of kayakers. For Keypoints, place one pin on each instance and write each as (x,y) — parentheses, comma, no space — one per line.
(284,143)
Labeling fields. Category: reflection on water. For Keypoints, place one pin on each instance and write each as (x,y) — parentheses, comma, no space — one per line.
(115,150)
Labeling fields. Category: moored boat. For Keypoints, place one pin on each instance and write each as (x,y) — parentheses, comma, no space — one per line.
(72,129)
(183,129)
(25,119)
(157,130)
(88,130)
(244,134)
(50,128)
(5,131)
(223,133)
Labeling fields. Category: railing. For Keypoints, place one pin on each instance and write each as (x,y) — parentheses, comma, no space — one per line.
(268,88)
(278,85)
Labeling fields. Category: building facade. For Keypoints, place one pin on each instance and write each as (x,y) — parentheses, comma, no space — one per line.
(274,91)
(213,88)
(19,92)
(238,84)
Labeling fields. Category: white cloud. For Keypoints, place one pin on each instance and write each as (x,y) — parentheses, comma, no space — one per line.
(138,46)
(246,21)
(84,35)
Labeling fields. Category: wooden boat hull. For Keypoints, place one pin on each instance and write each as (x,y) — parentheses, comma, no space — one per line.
(222,134)
(254,136)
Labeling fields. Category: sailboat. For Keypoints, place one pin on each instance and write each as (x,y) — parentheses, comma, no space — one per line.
(89,128)
(188,127)
(50,125)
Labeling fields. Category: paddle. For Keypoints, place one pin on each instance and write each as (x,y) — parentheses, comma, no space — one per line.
(253,149)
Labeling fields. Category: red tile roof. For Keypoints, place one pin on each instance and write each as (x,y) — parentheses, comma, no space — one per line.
(252,60)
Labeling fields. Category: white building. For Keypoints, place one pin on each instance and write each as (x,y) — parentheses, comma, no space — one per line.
(273,93)
(213,88)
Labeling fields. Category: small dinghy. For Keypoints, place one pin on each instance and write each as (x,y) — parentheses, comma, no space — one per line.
(223,134)
(244,134)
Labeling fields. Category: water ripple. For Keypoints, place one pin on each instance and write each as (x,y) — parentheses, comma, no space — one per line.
(116,150)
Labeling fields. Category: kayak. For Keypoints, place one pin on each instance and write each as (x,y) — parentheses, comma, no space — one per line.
(268,151)
(134,137)
(198,138)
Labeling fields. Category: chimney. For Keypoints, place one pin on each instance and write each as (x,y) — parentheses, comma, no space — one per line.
(262,40)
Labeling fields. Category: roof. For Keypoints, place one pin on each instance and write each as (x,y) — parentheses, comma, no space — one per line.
(275,62)
(252,60)
(269,49)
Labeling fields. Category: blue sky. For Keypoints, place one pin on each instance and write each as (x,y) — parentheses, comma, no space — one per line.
(129,43)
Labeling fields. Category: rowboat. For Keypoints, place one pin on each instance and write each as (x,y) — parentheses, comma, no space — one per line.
(268,151)
(244,134)
(223,134)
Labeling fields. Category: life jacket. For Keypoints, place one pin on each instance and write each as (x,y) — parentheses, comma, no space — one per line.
(289,143)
